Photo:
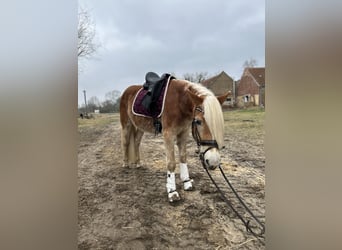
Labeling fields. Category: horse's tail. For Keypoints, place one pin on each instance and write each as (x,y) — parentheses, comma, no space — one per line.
(128,130)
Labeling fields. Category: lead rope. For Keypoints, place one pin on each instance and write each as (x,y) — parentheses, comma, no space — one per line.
(246,223)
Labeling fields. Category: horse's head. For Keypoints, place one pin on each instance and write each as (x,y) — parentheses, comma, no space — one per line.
(208,127)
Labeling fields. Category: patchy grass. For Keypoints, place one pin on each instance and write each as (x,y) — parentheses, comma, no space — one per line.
(247,122)
(89,129)
(243,123)
(99,120)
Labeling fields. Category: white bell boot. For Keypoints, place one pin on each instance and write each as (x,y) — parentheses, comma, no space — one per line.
(171,187)
(184,175)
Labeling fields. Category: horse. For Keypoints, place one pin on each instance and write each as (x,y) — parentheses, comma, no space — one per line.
(186,106)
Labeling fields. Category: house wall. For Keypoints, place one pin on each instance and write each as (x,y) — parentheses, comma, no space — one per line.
(253,101)
(247,87)
(256,100)
(222,85)
(262,96)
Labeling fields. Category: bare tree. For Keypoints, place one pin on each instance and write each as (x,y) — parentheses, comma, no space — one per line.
(94,100)
(188,77)
(201,76)
(86,35)
(93,103)
(196,77)
(112,96)
(107,107)
(251,63)
(111,103)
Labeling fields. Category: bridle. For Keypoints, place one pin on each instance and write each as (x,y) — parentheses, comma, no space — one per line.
(195,134)
(213,144)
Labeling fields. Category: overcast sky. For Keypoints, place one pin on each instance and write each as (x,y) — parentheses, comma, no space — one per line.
(176,36)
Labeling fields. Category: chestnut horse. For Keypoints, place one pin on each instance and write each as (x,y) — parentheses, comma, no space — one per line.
(186,105)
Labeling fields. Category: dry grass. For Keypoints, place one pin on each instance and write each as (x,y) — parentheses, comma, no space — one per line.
(247,122)
(99,120)
(89,129)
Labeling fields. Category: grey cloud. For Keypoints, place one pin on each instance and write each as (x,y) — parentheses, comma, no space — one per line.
(171,36)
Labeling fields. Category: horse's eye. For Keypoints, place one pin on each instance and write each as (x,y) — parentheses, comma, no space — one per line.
(198,122)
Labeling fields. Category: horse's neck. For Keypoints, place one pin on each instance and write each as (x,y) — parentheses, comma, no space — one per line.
(182,101)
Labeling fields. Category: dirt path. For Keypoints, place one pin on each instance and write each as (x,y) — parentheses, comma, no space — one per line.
(127,208)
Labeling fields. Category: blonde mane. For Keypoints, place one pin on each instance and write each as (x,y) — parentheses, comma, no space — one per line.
(212,112)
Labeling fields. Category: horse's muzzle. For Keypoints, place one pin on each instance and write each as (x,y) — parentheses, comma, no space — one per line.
(212,158)
(211,167)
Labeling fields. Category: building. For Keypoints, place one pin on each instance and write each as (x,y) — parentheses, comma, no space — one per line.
(221,84)
(250,90)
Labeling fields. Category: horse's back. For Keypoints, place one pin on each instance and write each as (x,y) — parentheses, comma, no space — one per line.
(176,108)
(131,90)
(127,99)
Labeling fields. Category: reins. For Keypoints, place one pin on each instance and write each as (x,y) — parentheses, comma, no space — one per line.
(246,223)
(213,144)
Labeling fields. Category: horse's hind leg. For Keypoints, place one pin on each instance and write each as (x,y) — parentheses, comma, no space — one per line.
(138,136)
(127,143)
(183,168)
(171,165)
(125,134)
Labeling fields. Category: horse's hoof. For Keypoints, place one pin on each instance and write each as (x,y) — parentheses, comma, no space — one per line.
(173,196)
(138,165)
(188,185)
(131,165)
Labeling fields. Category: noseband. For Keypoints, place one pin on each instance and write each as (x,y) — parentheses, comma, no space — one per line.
(195,134)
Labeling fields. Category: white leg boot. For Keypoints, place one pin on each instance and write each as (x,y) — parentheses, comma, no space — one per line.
(184,175)
(171,187)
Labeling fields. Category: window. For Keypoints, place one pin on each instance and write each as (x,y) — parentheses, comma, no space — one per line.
(246,98)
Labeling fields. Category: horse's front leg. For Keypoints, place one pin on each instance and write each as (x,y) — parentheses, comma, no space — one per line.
(171,165)
(183,167)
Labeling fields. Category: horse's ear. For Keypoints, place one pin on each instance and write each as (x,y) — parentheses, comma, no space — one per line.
(223,97)
(197,100)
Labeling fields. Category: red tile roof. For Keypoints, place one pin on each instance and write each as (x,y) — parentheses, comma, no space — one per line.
(258,74)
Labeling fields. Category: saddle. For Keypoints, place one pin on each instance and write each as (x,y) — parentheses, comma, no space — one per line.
(153,85)
(149,100)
